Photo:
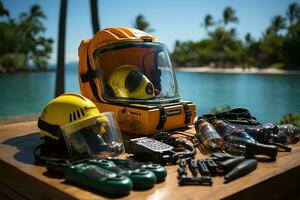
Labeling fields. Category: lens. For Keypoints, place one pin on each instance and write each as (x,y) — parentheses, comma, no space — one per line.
(133,80)
(149,88)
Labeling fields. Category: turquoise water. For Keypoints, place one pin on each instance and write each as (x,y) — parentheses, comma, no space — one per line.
(267,96)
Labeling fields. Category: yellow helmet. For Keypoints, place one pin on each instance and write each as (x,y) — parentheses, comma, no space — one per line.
(65,109)
(129,82)
(73,121)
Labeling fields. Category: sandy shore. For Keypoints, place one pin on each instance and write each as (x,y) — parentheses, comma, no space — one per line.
(236,70)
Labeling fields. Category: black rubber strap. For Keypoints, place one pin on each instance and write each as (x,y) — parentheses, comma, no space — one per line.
(89,76)
(50,128)
(190,153)
(162,118)
(86,76)
(188,113)
(37,155)
(43,159)
(237,113)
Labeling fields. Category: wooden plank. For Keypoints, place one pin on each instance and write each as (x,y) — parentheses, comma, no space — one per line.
(18,118)
(19,172)
(282,186)
(8,193)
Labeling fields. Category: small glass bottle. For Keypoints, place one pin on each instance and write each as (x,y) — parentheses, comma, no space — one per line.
(208,135)
(237,141)
(226,129)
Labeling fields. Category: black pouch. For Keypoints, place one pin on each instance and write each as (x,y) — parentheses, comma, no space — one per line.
(238,117)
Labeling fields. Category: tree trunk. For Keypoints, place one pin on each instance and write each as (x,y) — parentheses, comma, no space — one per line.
(60,68)
(94,15)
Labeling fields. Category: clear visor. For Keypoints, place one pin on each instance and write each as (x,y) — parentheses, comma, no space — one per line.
(138,72)
(94,137)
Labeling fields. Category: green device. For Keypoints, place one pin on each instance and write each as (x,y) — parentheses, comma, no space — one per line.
(159,171)
(99,179)
(141,178)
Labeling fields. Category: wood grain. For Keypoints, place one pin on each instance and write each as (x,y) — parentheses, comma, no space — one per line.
(20,174)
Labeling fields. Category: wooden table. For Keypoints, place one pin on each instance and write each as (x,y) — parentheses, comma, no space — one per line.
(20,178)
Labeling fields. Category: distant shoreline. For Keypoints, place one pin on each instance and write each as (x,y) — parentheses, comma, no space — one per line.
(25,71)
(205,69)
(236,70)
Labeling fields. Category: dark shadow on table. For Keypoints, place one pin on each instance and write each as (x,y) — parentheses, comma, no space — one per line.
(25,145)
(108,196)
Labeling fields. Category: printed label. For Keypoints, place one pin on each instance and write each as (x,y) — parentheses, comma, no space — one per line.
(176,111)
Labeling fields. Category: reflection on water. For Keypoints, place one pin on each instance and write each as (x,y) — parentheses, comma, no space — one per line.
(267,96)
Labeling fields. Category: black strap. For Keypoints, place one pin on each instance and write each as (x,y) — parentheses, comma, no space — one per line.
(240,117)
(235,114)
(86,76)
(43,159)
(89,76)
(188,113)
(186,154)
(54,165)
(207,117)
(50,128)
(162,118)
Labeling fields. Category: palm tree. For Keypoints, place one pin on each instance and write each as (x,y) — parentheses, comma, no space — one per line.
(36,12)
(232,32)
(293,12)
(222,45)
(94,15)
(3,11)
(248,38)
(229,16)
(208,21)
(60,71)
(142,24)
(277,24)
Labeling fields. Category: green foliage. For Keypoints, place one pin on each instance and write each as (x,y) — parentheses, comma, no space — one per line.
(278,47)
(270,49)
(22,40)
(13,61)
(186,53)
(291,46)
(248,38)
(278,23)
(277,65)
(216,111)
(3,11)
(293,12)
(293,119)
(229,16)
(208,21)
(142,24)
(227,49)
(221,48)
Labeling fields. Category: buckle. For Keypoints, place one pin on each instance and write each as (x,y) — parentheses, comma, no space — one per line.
(163,118)
(188,112)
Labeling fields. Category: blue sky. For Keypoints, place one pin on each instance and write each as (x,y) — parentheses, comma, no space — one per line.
(172,19)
